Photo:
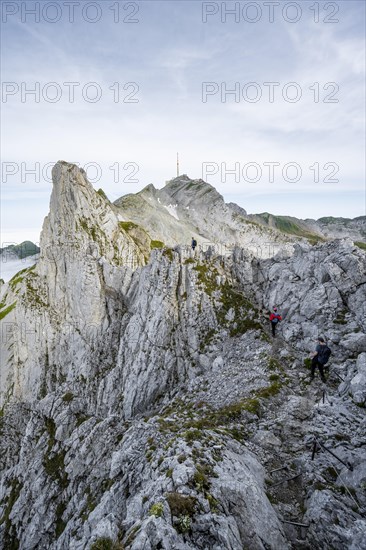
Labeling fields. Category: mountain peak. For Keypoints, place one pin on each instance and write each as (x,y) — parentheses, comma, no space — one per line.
(185,189)
(182,178)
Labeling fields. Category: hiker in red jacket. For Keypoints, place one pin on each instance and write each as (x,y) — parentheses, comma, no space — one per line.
(275,318)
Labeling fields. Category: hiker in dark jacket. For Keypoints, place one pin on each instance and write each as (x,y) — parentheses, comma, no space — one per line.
(320,358)
(275,318)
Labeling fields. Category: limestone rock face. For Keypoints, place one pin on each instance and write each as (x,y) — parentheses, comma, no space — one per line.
(320,291)
(144,403)
(66,303)
(358,382)
(339,227)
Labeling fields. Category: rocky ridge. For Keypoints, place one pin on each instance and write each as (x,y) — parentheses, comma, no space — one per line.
(321,229)
(144,404)
(186,208)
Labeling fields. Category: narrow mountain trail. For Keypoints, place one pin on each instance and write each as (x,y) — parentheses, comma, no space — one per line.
(318,432)
(290,423)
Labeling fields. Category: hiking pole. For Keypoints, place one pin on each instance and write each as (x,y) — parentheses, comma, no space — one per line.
(325,395)
(314,450)
(340,377)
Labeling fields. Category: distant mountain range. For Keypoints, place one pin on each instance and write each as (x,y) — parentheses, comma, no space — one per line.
(13,258)
(186,208)
(19,251)
(328,227)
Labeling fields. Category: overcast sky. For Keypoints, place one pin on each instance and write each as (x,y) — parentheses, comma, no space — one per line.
(160,72)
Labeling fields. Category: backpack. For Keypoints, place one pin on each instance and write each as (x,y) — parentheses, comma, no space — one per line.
(194,242)
(276,319)
(324,355)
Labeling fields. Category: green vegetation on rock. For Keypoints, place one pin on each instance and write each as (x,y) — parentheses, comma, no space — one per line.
(6,311)
(102,194)
(289,226)
(127,226)
(340,319)
(19,277)
(157,510)
(93,231)
(10,539)
(168,253)
(245,313)
(184,524)
(60,523)
(233,310)
(201,477)
(214,504)
(181,505)
(195,423)
(131,537)
(156,244)
(207,276)
(36,296)
(67,397)
(54,462)
(360,244)
(106,543)
(54,465)
(140,237)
